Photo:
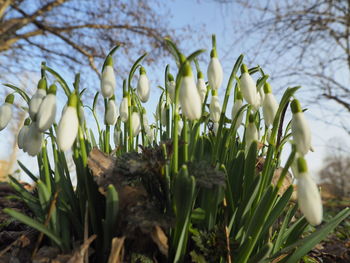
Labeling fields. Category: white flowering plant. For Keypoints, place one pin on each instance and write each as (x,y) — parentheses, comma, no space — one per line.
(196,185)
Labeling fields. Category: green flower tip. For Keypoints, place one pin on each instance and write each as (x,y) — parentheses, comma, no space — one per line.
(251,118)
(109,61)
(200,75)
(214,92)
(182,58)
(187,70)
(27,122)
(267,88)
(239,95)
(52,89)
(295,106)
(112,98)
(10,98)
(213,53)
(244,68)
(73,100)
(170,77)
(143,111)
(302,165)
(142,71)
(42,84)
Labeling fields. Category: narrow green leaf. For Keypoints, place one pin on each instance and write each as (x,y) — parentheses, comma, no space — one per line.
(19,91)
(60,80)
(29,173)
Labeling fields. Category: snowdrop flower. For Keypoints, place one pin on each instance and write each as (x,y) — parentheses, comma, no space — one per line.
(111,112)
(248,87)
(108,82)
(67,129)
(33,140)
(270,105)
(215,107)
(171,87)
(202,88)
(190,99)
(135,123)
(21,138)
(300,129)
(251,133)
(47,110)
(149,133)
(214,73)
(309,198)
(235,109)
(180,127)
(6,111)
(123,109)
(143,86)
(215,127)
(116,136)
(35,101)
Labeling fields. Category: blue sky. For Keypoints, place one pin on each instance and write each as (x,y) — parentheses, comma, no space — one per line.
(207,17)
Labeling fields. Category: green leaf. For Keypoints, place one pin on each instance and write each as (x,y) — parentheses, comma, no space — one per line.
(29,173)
(134,67)
(60,80)
(112,206)
(34,224)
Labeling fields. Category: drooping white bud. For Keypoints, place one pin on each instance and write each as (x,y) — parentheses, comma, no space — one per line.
(33,140)
(67,129)
(300,129)
(21,138)
(215,73)
(47,111)
(235,109)
(123,109)
(135,123)
(248,87)
(6,111)
(116,136)
(309,198)
(251,133)
(143,89)
(215,107)
(171,87)
(37,98)
(111,112)
(190,100)
(202,88)
(270,106)
(108,82)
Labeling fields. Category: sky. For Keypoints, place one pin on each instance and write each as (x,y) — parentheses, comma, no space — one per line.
(208,17)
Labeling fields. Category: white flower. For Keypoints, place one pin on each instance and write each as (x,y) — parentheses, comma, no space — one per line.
(180,127)
(108,82)
(215,128)
(67,129)
(116,137)
(251,133)
(235,109)
(47,111)
(270,106)
(143,89)
(149,133)
(248,87)
(123,109)
(309,198)
(171,87)
(214,73)
(6,111)
(135,123)
(21,138)
(33,140)
(300,129)
(111,112)
(35,101)
(190,99)
(202,88)
(215,109)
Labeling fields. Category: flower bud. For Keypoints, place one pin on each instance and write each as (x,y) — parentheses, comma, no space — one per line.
(235,109)
(116,137)
(111,112)
(67,129)
(6,111)
(143,86)
(300,129)
(215,107)
(202,88)
(22,135)
(251,132)
(33,140)
(248,87)
(171,87)
(108,82)
(309,198)
(37,98)
(47,110)
(270,106)
(135,123)
(123,109)
(190,99)
(215,72)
